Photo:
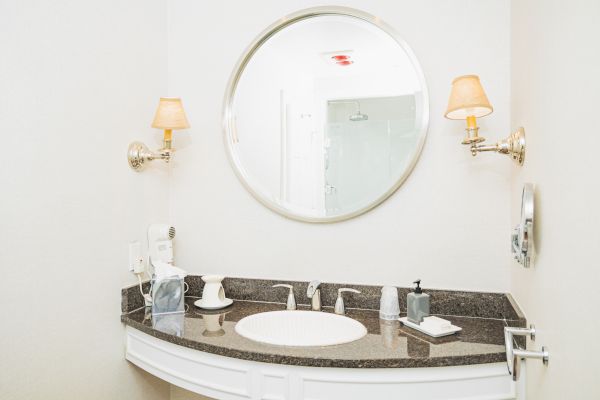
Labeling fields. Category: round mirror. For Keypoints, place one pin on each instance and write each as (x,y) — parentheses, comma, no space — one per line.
(325,114)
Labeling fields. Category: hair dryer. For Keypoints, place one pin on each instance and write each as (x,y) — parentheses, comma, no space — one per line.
(160,246)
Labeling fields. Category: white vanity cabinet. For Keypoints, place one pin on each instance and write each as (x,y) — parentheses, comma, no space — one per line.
(229,378)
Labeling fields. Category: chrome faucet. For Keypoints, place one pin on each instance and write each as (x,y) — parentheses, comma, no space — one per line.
(340,308)
(314,294)
(291,300)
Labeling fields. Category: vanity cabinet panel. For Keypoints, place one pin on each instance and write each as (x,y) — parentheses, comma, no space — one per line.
(187,368)
(229,378)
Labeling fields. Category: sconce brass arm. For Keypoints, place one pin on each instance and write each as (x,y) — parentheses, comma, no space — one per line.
(513,146)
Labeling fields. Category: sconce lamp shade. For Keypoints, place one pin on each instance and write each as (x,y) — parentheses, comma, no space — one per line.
(467,98)
(170,114)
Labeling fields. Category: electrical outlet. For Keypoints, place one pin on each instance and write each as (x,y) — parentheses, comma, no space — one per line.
(136,261)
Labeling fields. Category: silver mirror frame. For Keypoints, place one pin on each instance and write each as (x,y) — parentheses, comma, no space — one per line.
(229,124)
(522,237)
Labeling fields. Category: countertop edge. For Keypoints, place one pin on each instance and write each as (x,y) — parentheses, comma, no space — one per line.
(428,362)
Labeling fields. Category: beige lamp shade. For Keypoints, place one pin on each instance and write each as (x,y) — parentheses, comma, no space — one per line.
(170,114)
(467,98)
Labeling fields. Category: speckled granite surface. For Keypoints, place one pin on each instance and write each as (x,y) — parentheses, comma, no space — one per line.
(387,344)
(443,302)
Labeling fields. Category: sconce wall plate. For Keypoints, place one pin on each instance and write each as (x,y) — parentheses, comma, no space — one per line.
(139,155)
(514,146)
(522,237)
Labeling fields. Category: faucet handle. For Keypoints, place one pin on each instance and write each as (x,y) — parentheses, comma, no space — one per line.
(339,303)
(291,300)
(283,285)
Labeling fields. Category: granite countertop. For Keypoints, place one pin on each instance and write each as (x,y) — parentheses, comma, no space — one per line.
(387,344)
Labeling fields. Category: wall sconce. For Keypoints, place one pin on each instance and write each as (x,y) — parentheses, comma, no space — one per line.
(469,102)
(169,116)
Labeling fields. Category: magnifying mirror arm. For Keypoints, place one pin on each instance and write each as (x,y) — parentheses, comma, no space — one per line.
(522,236)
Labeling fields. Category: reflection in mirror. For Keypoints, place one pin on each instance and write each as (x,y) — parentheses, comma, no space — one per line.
(326,117)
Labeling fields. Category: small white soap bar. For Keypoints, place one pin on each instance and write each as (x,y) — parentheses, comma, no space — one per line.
(436,324)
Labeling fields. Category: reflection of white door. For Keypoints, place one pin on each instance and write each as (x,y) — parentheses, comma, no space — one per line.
(357,164)
(364,158)
(299,159)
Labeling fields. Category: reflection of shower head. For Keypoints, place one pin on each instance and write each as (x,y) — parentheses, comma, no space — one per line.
(353,117)
(359,117)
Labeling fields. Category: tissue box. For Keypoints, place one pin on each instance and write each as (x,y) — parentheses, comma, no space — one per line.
(168,296)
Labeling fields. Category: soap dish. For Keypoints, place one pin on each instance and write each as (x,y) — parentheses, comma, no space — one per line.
(432,326)
(213,306)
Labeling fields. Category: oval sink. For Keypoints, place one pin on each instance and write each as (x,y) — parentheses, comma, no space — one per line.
(300,328)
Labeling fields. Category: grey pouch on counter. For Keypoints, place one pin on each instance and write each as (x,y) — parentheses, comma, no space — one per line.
(168,296)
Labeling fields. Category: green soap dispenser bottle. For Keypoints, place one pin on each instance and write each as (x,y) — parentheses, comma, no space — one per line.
(417,304)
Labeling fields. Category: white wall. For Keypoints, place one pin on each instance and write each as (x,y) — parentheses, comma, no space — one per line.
(448,224)
(78,82)
(555,96)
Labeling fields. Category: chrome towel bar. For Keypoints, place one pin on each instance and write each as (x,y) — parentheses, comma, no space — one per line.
(514,356)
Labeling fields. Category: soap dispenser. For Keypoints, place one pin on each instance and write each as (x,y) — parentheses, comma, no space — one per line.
(417,304)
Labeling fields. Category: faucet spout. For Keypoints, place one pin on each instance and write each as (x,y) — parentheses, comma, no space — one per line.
(314,294)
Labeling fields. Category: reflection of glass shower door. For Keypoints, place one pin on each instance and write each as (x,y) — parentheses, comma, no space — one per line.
(357,163)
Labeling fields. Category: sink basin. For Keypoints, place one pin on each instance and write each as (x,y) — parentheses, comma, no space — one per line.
(300,328)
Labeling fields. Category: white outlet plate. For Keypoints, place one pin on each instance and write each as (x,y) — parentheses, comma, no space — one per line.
(136,261)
